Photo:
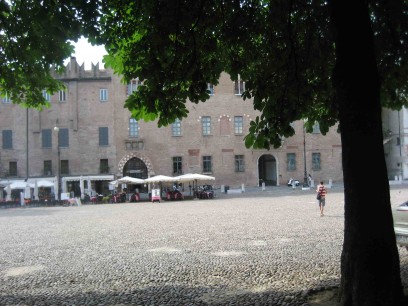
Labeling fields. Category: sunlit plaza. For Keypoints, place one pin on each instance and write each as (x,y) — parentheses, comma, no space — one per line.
(268,247)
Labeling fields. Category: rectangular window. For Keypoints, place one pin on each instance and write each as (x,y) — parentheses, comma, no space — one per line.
(64,166)
(133,86)
(104,166)
(316,161)
(46,138)
(46,96)
(103,95)
(133,128)
(13,168)
(176,128)
(47,167)
(207,165)
(206,125)
(239,163)
(103,136)
(62,96)
(291,162)
(7,139)
(177,165)
(238,125)
(5,98)
(239,86)
(210,89)
(63,138)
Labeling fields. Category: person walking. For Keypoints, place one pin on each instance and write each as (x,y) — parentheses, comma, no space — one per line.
(321,197)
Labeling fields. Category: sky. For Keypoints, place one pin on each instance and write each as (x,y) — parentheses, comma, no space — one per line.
(88,54)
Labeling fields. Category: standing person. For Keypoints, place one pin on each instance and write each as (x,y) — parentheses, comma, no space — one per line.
(321,191)
(309,179)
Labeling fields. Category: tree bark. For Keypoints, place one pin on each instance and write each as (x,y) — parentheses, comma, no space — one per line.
(370,267)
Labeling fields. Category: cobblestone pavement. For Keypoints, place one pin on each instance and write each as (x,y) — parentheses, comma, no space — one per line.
(258,248)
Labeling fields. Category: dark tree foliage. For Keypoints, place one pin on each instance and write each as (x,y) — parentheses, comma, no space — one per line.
(34,35)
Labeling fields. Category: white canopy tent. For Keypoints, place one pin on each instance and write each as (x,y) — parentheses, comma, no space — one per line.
(20,185)
(44,183)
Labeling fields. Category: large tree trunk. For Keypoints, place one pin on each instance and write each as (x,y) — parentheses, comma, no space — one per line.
(370,268)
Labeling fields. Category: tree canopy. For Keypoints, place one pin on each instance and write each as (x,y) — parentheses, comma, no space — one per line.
(35,37)
(284,50)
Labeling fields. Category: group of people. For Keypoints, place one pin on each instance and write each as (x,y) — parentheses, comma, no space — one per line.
(122,196)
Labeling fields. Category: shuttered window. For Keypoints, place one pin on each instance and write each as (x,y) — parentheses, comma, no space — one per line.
(103,136)
(63,138)
(46,138)
(7,139)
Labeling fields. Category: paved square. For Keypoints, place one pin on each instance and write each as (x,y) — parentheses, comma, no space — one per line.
(258,248)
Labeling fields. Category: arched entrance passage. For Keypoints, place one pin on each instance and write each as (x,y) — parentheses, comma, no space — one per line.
(267,170)
(135,165)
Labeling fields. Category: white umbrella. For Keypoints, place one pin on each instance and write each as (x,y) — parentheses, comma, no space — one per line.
(161,179)
(35,190)
(195,177)
(27,191)
(130,180)
(8,190)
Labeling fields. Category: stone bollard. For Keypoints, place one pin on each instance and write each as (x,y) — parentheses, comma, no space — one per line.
(263,186)
(243,187)
(222,188)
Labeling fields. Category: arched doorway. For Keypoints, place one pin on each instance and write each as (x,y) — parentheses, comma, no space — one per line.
(135,167)
(267,170)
